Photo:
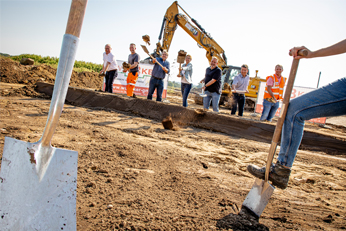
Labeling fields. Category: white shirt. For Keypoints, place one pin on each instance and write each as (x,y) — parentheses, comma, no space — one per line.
(110,58)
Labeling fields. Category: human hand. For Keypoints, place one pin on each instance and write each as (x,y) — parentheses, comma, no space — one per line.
(165,69)
(202,81)
(294,52)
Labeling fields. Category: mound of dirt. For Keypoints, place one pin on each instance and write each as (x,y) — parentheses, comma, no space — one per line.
(13,72)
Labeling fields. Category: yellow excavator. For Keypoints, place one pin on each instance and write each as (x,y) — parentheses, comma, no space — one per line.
(204,40)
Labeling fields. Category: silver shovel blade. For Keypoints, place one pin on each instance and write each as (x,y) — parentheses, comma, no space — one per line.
(28,203)
(259,196)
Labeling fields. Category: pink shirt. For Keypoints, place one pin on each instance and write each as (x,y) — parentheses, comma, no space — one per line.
(270,81)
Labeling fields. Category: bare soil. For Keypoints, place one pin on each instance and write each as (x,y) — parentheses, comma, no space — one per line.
(135,175)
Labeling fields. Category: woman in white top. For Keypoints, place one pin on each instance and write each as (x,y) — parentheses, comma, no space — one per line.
(186,78)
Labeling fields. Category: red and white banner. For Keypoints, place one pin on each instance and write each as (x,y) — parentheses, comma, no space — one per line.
(296,91)
(142,85)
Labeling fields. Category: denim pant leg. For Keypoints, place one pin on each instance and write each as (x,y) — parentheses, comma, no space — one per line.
(159,89)
(185,90)
(274,107)
(241,104)
(266,109)
(234,104)
(269,110)
(206,100)
(152,86)
(327,101)
(216,99)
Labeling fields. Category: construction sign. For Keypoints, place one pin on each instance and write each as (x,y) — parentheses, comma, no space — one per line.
(296,91)
(142,84)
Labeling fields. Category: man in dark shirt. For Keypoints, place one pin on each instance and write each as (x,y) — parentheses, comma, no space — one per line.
(157,76)
(212,86)
(132,77)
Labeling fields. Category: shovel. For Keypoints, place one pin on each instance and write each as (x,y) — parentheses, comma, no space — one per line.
(37,181)
(262,190)
(146,51)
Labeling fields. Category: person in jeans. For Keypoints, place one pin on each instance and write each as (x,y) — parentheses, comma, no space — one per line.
(329,100)
(240,83)
(273,94)
(186,78)
(157,76)
(212,87)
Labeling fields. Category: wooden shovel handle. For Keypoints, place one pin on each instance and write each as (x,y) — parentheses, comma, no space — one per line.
(283,111)
(76,16)
(156,61)
(302,52)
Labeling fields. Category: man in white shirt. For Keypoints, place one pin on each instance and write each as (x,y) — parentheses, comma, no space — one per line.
(110,66)
(239,88)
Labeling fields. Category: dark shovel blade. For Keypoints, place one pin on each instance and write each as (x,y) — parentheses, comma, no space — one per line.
(258,197)
(30,201)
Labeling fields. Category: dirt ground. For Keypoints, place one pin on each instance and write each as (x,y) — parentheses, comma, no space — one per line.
(135,175)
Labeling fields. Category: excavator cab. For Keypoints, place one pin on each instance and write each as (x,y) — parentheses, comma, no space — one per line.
(228,74)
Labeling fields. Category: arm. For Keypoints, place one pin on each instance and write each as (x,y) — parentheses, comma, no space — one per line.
(269,88)
(104,68)
(336,49)
(188,67)
(210,82)
(135,64)
(166,68)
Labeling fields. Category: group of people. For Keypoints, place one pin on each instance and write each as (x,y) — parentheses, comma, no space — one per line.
(110,68)
(327,101)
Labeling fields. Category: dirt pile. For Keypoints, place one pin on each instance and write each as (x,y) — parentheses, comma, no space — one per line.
(13,72)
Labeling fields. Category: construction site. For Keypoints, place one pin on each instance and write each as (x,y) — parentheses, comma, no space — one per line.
(133,174)
(98,160)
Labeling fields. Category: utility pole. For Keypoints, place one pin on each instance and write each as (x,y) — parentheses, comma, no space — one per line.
(318,82)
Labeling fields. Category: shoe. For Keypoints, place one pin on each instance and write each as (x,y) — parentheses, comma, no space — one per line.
(257,171)
(278,175)
(134,96)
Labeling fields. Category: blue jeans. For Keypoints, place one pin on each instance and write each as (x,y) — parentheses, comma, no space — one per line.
(211,96)
(238,100)
(157,84)
(269,110)
(185,90)
(327,101)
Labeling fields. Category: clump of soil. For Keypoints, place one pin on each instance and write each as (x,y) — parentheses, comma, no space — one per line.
(168,123)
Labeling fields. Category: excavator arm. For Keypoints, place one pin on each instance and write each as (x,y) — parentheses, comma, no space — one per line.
(170,22)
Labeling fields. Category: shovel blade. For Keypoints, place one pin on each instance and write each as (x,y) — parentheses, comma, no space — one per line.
(28,203)
(258,197)
(145,49)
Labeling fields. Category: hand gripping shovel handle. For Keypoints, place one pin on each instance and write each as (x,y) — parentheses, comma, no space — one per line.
(146,51)
(65,67)
(156,61)
(283,111)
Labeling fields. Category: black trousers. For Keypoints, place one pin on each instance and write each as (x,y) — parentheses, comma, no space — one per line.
(238,100)
(110,76)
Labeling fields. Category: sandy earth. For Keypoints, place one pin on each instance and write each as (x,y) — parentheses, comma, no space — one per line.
(188,178)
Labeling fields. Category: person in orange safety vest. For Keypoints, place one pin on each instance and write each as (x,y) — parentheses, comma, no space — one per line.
(273,94)
(132,77)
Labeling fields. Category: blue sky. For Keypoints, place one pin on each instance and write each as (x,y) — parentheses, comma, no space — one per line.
(258,33)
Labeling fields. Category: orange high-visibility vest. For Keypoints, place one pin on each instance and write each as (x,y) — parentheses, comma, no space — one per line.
(277,88)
